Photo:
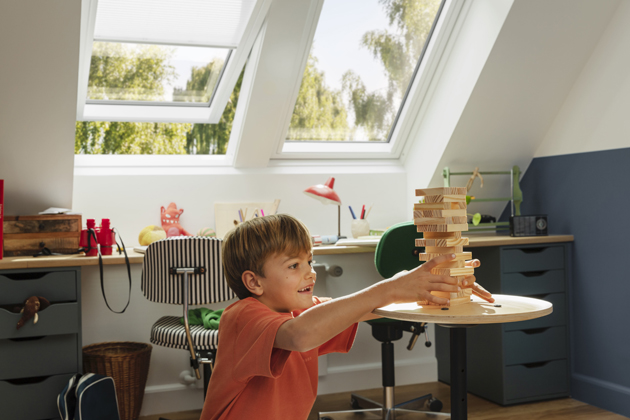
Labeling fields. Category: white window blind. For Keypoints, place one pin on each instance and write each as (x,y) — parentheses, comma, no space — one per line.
(210,23)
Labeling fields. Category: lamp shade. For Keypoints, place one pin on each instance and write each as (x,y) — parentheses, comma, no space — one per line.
(324,192)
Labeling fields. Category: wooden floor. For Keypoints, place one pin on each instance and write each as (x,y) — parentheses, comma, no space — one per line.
(478,408)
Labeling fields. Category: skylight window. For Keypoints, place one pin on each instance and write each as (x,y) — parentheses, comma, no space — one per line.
(186,55)
(361,63)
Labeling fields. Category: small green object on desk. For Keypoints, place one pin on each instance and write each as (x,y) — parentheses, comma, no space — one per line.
(204,316)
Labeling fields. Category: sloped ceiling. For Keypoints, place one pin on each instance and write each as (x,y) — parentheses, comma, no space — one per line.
(538,54)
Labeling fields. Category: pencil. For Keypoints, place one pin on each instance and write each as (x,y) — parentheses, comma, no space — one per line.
(368,212)
(352,213)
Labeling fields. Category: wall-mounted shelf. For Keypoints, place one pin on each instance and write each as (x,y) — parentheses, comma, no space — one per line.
(515,199)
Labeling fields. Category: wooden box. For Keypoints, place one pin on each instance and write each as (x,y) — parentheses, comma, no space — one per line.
(27,235)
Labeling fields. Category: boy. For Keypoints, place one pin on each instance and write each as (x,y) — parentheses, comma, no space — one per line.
(270,339)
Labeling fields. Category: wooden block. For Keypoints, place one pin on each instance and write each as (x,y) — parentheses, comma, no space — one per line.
(462,256)
(460,301)
(439,213)
(450,198)
(440,220)
(447,295)
(442,191)
(443,228)
(452,302)
(466,271)
(26,235)
(440,206)
(441,235)
(443,250)
(452,264)
(446,242)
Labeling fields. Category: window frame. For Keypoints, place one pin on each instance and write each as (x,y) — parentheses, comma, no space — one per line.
(253,145)
(416,94)
(88,110)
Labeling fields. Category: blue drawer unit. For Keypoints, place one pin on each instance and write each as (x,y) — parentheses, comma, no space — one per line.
(521,361)
(37,360)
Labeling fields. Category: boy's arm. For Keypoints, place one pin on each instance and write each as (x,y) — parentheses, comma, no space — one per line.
(322,322)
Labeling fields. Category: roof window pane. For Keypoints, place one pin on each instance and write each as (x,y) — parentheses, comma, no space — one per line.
(156,73)
(362,61)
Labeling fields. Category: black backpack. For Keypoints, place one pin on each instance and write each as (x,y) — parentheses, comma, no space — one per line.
(89,397)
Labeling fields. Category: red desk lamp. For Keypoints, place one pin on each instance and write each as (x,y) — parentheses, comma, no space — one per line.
(327,195)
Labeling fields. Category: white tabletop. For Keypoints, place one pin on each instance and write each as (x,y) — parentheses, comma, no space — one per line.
(511,309)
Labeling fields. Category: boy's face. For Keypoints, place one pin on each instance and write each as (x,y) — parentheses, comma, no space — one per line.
(288,283)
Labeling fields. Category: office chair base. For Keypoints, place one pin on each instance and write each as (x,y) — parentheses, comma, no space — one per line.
(377,414)
(366,409)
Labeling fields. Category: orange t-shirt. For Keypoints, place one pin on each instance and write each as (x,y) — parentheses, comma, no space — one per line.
(254,380)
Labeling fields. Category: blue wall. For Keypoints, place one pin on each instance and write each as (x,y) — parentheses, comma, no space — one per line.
(588,195)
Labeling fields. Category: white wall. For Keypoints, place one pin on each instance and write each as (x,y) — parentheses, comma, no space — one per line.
(594,115)
(39,55)
(538,55)
(134,201)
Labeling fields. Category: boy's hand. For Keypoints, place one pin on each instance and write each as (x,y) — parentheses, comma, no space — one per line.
(417,284)
(478,290)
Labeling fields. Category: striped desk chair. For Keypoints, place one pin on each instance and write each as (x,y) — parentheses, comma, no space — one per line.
(191,267)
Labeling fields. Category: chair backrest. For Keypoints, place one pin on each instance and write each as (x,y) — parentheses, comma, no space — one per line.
(159,285)
(396,251)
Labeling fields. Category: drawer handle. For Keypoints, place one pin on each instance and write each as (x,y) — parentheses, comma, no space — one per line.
(534,331)
(535,365)
(25,276)
(534,273)
(533,250)
(40,337)
(28,381)
(539,296)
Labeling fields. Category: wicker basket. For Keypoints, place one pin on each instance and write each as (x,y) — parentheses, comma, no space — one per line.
(128,364)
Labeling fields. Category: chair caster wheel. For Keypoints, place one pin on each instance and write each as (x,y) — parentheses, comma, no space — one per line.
(326,418)
(433,404)
(354,403)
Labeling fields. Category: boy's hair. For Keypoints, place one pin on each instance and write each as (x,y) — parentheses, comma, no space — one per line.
(250,244)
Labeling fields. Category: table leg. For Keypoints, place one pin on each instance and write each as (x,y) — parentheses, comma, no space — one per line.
(459,396)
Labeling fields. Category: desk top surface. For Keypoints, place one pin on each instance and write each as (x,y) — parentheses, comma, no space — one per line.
(511,309)
(79,260)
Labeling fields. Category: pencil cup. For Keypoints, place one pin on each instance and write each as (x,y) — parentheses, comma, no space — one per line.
(360,227)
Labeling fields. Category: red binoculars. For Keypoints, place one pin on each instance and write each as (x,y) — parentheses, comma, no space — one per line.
(93,238)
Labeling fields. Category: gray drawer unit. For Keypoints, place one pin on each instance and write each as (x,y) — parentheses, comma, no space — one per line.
(39,356)
(37,360)
(527,259)
(58,318)
(57,286)
(521,361)
(545,380)
(32,398)
(533,283)
(556,318)
(534,346)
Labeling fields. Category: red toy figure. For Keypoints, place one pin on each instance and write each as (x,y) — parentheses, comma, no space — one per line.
(170,221)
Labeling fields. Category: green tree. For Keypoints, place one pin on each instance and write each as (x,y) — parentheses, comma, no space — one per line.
(370,108)
(122,72)
(125,72)
(399,51)
(319,112)
(209,138)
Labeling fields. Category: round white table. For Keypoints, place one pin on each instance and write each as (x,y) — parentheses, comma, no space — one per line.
(506,308)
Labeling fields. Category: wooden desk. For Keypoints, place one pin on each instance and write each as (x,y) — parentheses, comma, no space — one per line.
(77,260)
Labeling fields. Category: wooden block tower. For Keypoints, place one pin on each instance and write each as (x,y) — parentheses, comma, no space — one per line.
(441,216)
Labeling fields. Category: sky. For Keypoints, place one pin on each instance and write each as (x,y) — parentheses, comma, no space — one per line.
(337,43)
